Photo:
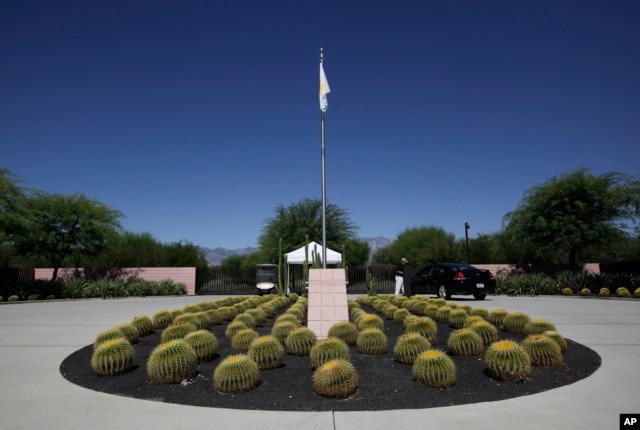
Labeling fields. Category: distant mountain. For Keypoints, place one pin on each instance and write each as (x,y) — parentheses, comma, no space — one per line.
(216,255)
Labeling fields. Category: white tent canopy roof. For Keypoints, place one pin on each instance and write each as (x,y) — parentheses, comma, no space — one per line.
(298,256)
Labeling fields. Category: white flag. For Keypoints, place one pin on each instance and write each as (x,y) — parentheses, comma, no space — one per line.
(324,90)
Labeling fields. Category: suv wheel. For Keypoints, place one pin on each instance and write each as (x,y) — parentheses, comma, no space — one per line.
(479,296)
(443,292)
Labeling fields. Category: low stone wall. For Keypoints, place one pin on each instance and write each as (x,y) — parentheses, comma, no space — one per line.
(509,269)
(180,275)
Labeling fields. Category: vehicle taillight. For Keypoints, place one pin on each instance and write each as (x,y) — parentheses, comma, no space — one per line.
(490,275)
(458,275)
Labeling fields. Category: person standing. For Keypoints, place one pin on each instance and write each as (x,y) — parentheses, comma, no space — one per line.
(399,272)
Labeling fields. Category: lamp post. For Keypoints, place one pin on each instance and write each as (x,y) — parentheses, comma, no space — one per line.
(466,236)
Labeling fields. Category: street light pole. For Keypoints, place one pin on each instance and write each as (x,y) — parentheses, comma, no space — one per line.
(466,236)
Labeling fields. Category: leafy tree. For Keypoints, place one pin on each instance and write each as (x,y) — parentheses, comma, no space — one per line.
(143,250)
(299,220)
(421,246)
(183,254)
(12,198)
(572,212)
(65,228)
(356,252)
(484,249)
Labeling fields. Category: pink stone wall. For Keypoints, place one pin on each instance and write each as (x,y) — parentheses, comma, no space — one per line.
(180,275)
(505,269)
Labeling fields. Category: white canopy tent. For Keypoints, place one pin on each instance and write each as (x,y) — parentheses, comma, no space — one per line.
(298,256)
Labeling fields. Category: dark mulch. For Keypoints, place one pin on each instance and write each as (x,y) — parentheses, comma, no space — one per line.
(383,383)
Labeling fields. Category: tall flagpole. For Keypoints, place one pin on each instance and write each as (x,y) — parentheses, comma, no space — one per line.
(324,183)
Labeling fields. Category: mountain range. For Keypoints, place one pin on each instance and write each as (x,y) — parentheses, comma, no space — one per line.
(215,256)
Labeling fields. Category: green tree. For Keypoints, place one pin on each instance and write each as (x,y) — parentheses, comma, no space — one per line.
(295,222)
(421,246)
(483,249)
(572,212)
(356,252)
(66,228)
(12,198)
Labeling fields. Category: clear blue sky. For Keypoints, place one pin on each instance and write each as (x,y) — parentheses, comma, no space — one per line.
(197,118)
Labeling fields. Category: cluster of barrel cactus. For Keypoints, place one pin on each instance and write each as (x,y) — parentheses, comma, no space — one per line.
(186,342)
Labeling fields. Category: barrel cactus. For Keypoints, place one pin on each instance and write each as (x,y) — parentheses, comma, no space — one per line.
(389,310)
(331,348)
(496,316)
(161,319)
(112,357)
(543,351)
(465,342)
(508,361)
(143,324)
(344,330)
(282,329)
(176,331)
(129,330)
(246,319)
(267,352)
(109,334)
(371,341)
(400,314)
(188,317)
(480,311)
(336,379)
(300,341)
(204,343)
(234,327)
(423,325)
(258,314)
(538,326)
(242,339)
(623,292)
(435,369)
(487,331)
(287,318)
(226,313)
(443,312)
(585,291)
(567,291)
(515,322)
(604,292)
(431,310)
(370,321)
(172,362)
(458,317)
(236,373)
(558,338)
(409,346)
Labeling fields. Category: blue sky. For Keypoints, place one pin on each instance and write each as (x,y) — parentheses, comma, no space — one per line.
(195,119)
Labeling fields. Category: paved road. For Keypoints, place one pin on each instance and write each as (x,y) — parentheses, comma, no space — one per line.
(36,337)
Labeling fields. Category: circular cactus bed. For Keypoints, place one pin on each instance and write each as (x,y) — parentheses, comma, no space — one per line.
(383,383)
